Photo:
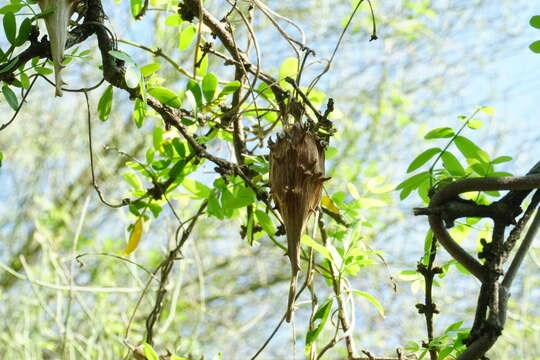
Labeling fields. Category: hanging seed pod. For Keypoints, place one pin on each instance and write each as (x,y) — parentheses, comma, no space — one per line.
(57,27)
(296,178)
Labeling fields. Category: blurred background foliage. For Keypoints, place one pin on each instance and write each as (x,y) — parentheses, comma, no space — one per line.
(433,62)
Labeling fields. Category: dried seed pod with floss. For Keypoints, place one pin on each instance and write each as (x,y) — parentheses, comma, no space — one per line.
(57,28)
(296,180)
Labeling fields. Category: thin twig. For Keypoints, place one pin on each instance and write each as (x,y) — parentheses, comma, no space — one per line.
(23,101)
(165,268)
(91,153)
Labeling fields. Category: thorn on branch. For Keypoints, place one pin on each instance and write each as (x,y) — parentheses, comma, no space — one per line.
(427,309)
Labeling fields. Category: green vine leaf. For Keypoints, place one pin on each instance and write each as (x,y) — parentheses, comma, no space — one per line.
(10,97)
(105,103)
(535,47)
(535,21)
(423,158)
(320,315)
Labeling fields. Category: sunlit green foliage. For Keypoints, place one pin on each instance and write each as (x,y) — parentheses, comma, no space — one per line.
(231,276)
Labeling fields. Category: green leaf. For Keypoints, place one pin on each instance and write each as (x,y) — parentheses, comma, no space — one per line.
(10,27)
(155,209)
(161,164)
(149,351)
(85,53)
(289,67)
(157,138)
(500,173)
(501,159)
(409,275)
(322,315)
(195,89)
(10,97)
(122,56)
(427,247)
(165,96)
(186,37)
(444,352)
(470,150)
(353,191)
(413,180)
(230,88)
(371,299)
(412,346)
(214,207)
(535,21)
(173,20)
(209,85)
(439,133)
(315,96)
(535,47)
(454,327)
(105,103)
(330,152)
(412,183)
(136,7)
(10,66)
(365,202)
(25,80)
(177,169)
(202,61)
(423,158)
(149,69)
(43,70)
(198,189)
(1,158)
(243,196)
(475,124)
(487,110)
(179,147)
(482,169)
(266,223)
(13,8)
(139,112)
(306,240)
(133,180)
(24,32)
(150,154)
(452,164)
(265,91)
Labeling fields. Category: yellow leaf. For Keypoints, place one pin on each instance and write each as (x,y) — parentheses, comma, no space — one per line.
(329,204)
(487,110)
(135,237)
(353,191)
(370,202)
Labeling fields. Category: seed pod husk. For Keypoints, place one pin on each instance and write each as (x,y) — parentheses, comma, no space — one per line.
(296,179)
(57,29)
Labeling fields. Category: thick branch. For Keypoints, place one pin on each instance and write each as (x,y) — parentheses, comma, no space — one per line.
(522,251)
(452,191)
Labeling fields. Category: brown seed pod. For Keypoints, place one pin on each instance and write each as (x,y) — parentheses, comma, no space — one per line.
(57,27)
(296,178)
